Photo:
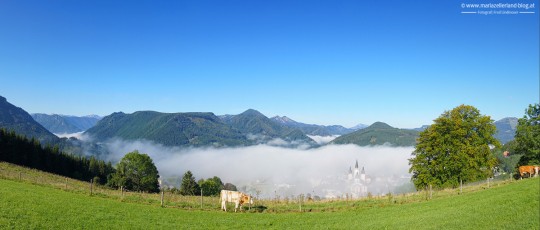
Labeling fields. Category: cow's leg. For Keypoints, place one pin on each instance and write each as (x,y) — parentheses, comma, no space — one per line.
(236,206)
(224,205)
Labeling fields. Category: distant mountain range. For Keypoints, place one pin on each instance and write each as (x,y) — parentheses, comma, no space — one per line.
(16,119)
(170,129)
(506,129)
(261,129)
(62,124)
(315,130)
(206,129)
(379,133)
(424,127)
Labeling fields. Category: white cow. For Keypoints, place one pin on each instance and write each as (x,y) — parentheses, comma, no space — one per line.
(237,198)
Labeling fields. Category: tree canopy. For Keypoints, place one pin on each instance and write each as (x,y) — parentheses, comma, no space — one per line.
(456,147)
(136,171)
(211,186)
(528,136)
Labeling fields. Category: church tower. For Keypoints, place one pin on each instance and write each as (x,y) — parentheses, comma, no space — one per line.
(357,181)
(356,170)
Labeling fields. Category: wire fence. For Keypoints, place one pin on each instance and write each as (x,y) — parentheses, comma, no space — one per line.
(299,203)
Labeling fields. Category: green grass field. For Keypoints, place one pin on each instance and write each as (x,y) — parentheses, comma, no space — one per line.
(29,205)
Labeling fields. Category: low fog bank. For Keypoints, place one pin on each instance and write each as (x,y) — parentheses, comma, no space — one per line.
(78,135)
(321,140)
(272,170)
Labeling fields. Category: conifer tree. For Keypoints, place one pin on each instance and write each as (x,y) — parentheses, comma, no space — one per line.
(189,186)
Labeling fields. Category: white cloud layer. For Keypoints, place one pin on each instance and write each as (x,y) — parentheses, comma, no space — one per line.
(78,135)
(270,165)
(321,140)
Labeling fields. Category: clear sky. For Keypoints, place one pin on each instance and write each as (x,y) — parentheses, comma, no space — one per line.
(323,62)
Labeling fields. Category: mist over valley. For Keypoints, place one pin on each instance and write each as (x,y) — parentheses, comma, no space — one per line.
(264,156)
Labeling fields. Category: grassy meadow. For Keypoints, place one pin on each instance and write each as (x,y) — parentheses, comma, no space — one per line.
(33,199)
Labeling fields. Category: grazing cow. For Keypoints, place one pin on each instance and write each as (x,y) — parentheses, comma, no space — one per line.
(528,169)
(237,198)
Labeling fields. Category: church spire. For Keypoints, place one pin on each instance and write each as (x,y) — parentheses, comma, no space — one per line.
(356,166)
(363,172)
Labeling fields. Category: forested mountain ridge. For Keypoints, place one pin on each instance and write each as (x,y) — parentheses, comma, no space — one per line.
(379,133)
(506,129)
(61,124)
(312,129)
(13,118)
(260,128)
(20,150)
(170,129)
(196,129)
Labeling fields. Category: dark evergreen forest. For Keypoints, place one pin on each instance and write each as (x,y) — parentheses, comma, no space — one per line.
(19,150)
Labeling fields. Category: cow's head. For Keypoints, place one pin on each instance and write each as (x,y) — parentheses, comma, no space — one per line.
(247,199)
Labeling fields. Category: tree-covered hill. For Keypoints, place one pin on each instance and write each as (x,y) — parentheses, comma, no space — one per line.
(379,133)
(19,150)
(506,129)
(171,129)
(312,129)
(16,119)
(262,129)
(65,124)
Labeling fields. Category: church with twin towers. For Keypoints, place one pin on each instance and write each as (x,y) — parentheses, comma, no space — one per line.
(357,181)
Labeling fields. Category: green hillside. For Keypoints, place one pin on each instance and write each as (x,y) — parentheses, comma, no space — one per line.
(506,129)
(65,124)
(378,134)
(16,119)
(27,205)
(252,122)
(171,129)
(311,129)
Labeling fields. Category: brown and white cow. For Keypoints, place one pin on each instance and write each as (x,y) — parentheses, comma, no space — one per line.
(528,169)
(235,197)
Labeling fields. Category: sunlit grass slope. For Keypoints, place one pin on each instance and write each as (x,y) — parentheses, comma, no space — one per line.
(24,205)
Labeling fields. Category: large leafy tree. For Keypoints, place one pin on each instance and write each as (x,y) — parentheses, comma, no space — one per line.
(528,136)
(189,186)
(456,147)
(136,171)
(211,186)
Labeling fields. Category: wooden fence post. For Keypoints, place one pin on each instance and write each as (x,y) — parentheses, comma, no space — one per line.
(430,192)
(66,183)
(488,181)
(201,198)
(162,198)
(91,184)
(300,202)
(460,186)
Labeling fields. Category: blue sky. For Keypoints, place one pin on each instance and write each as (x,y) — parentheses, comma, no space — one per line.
(323,62)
